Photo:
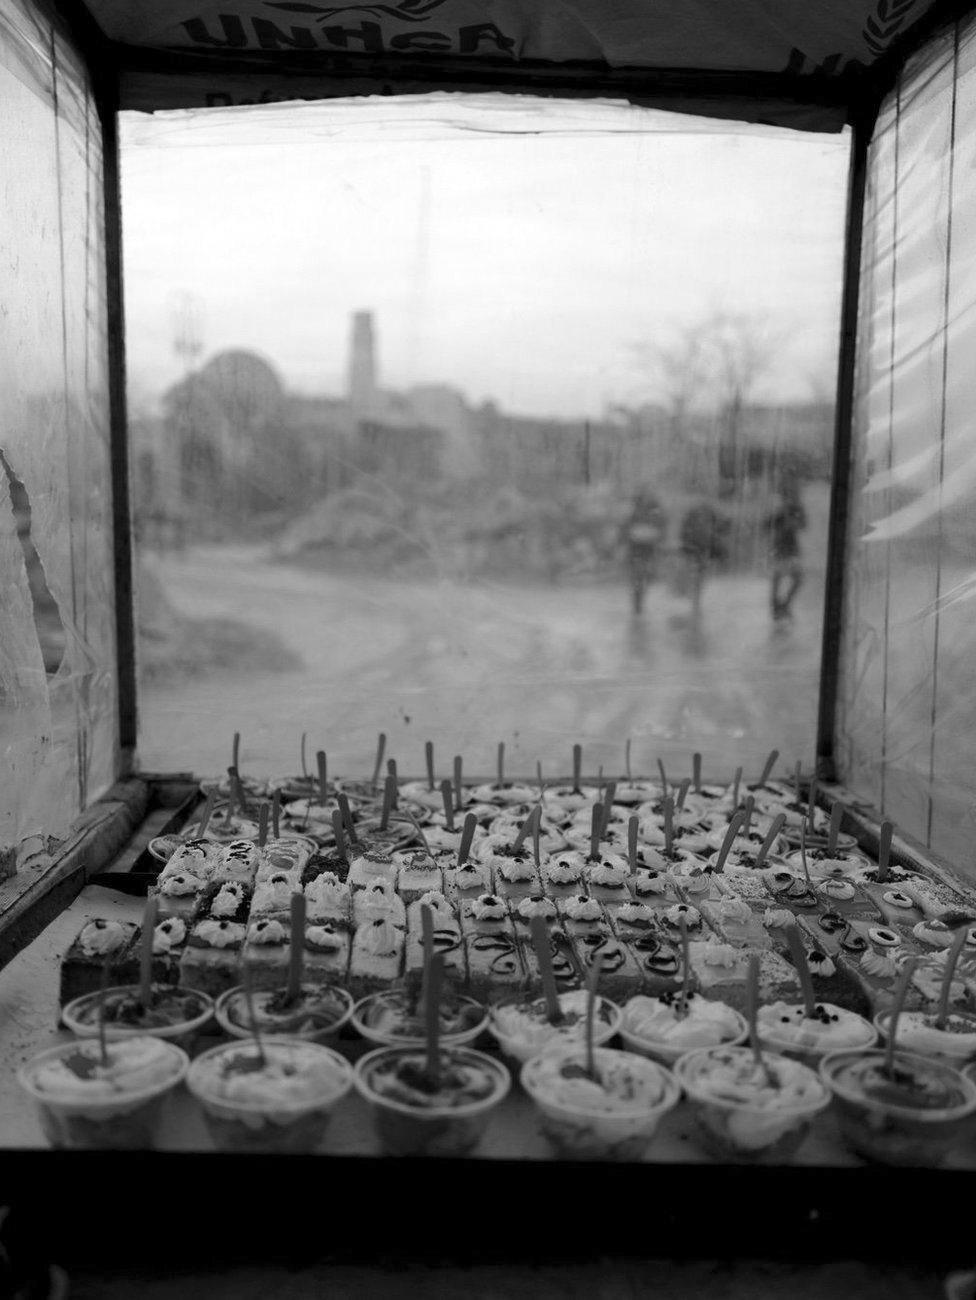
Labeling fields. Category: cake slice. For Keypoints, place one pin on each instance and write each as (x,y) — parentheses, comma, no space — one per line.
(169,941)
(494,963)
(211,958)
(327,950)
(97,942)
(447,939)
(563,875)
(658,960)
(327,898)
(565,964)
(376,958)
(378,902)
(582,915)
(620,975)
(418,873)
(721,970)
(272,897)
(267,950)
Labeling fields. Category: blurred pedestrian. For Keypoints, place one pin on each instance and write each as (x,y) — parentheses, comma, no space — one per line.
(643,534)
(784,525)
(703,543)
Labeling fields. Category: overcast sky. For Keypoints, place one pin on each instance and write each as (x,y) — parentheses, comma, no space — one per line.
(528,266)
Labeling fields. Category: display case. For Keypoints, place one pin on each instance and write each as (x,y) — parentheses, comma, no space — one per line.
(894,739)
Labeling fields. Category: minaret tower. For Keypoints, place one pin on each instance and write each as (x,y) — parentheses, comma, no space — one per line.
(362,365)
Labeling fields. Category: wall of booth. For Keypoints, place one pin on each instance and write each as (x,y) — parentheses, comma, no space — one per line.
(58,711)
(906,739)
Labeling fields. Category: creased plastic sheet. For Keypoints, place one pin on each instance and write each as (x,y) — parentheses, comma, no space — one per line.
(57,670)
(906,725)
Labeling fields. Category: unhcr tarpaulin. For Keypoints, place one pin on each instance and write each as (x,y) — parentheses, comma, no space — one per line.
(223,52)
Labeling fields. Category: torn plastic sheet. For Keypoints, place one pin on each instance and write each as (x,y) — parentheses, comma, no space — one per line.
(57,729)
(906,733)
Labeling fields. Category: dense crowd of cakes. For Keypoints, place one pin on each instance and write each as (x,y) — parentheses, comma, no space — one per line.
(621,870)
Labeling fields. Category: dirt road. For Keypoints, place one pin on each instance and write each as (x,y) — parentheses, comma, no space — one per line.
(468,666)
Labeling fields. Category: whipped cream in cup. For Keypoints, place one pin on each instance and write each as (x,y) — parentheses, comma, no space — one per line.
(653,1027)
(613,1116)
(282,1105)
(785,1027)
(414,1116)
(318,1013)
(395,1017)
(955,1042)
(522,1029)
(915,1117)
(85,1104)
(174,1012)
(743,1116)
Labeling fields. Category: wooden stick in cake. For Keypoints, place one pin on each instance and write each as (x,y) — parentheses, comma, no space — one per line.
(752,1012)
(884,850)
(525,830)
(338,833)
(458,786)
(747,812)
(633,825)
(320,764)
(577,768)
(391,771)
(296,948)
(389,795)
(682,794)
(235,752)
(207,813)
(264,813)
(736,782)
(347,821)
(836,815)
(467,838)
(682,1010)
(768,767)
(897,1005)
(304,763)
(543,954)
(380,751)
(608,798)
(592,984)
(668,825)
(429,760)
(596,827)
(248,986)
(731,831)
(775,826)
(958,943)
(500,764)
(812,804)
(627,760)
(447,794)
(102,992)
(146,950)
(664,779)
(432,1000)
(803,854)
(696,769)
(536,816)
(798,953)
(276,814)
(239,792)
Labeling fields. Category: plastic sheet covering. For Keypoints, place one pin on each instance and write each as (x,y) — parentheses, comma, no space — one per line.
(57,665)
(907,739)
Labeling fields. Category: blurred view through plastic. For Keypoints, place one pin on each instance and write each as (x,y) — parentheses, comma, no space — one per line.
(393,427)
